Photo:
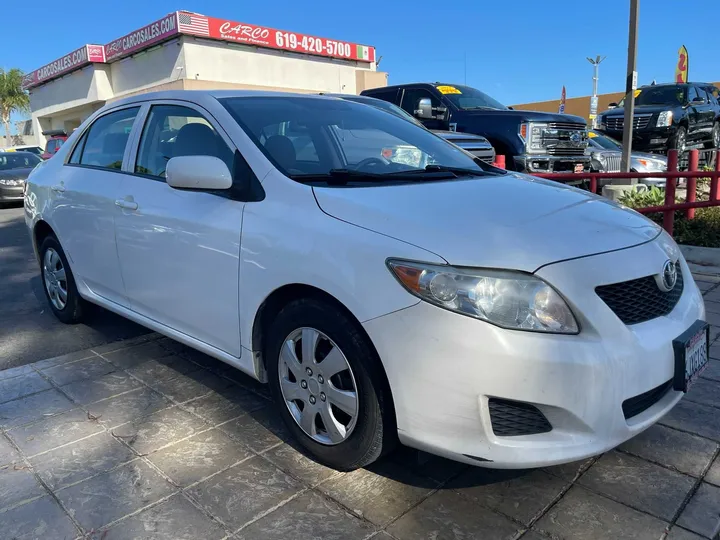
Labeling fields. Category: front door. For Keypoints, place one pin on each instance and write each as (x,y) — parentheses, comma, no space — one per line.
(179,249)
(411,98)
(84,197)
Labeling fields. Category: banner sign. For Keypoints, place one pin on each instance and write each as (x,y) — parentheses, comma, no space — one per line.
(142,38)
(261,36)
(561,108)
(70,62)
(683,65)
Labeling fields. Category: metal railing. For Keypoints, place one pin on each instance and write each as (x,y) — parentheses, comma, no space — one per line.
(672,177)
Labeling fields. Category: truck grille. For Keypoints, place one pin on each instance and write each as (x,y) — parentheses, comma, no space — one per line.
(616,123)
(640,300)
(613,163)
(566,151)
(561,139)
(567,125)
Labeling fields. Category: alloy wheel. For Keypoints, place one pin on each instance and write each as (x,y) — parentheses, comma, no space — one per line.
(55,279)
(318,386)
(716,136)
(681,141)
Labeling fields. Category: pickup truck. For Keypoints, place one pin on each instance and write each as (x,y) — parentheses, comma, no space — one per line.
(532,142)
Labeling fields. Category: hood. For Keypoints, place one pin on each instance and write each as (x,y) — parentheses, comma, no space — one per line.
(454,136)
(511,221)
(16,174)
(525,116)
(640,109)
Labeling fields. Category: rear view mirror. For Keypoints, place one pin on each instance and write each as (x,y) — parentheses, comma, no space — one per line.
(198,172)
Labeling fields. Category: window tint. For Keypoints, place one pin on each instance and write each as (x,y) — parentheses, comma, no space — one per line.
(273,136)
(692,93)
(412,96)
(173,131)
(14,160)
(77,151)
(385,95)
(107,138)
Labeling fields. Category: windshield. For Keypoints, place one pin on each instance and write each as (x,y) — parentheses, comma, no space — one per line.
(603,141)
(310,138)
(659,95)
(386,106)
(467,98)
(17,160)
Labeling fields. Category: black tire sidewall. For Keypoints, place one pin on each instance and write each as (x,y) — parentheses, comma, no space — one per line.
(371,437)
(676,138)
(72,312)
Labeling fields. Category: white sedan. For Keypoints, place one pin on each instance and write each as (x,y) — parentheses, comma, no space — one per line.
(386,285)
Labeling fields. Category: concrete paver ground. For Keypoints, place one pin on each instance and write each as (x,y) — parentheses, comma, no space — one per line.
(149,439)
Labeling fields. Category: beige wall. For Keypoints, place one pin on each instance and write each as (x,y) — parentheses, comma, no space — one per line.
(158,65)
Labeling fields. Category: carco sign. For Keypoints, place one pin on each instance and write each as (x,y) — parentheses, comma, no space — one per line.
(70,62)
(142,38)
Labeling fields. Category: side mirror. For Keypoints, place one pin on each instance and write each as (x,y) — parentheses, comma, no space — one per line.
(198,172)
(424,109)
(612,105)
(698,101)
(511,108)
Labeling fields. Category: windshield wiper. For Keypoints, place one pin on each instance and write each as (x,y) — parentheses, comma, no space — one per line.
(435,169)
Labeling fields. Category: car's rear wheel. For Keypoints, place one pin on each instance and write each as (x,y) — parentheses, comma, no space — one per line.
(59,283)
(327,382)
(715,137)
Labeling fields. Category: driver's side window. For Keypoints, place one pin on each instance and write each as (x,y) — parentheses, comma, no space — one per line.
(412,96)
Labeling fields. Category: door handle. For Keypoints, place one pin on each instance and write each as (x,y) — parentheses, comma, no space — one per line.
(126,205)
(58,188)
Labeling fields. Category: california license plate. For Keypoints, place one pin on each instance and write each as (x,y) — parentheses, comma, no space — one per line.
(691,355)
(579,168)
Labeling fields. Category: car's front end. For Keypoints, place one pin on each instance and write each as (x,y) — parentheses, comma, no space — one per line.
(552,145)
(653,131)
(11,187)
(476,145)
(15,167)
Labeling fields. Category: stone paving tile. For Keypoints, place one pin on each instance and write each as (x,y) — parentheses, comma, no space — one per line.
(186,387)
(15,372)
(79,370)
(23,385)
(695,418)
(713,475)
(200,456)
(308,516)
(702,514)
(582,515)
(130,357)
(379,493)
(167,367)
(424,464)
(80,460)
(112,495)
(712,372)
(159,429)
(128,407)
(259,429)
(17,486)
(63,359)
(686,453)
(705,391)
(447,516)
(33,407)
(297,464)
(42,519)
(712,307)
(678,533)
(705,286)
(217,408)
(638,483)
(570,471)
(519,494)
(245,490)
(112,384)
(54,431)
(172,345)
(126,343)
(8,454)
(174,519)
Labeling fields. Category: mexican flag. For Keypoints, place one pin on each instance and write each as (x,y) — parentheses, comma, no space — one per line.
(363,52)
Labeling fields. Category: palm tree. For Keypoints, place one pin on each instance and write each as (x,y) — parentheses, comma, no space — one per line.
(12,98)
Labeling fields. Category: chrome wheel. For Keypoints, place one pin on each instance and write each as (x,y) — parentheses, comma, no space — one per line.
(681,140)
(716,136)
(318,386)
(55,279)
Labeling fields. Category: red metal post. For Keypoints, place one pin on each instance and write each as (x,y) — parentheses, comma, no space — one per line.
(669,215)
(714,195)
(693,161)
(593,184)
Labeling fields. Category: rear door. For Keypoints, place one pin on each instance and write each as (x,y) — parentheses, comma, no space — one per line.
(179,249)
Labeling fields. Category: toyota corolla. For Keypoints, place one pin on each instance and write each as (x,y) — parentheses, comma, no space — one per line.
(385,284)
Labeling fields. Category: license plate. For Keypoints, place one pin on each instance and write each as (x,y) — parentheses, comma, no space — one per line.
(579,168)
(691,355)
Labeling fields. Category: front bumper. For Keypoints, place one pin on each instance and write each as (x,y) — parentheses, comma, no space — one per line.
(11,193)
(443,368)
(550,164)
(650,139)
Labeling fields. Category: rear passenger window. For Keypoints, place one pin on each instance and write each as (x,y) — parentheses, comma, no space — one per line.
(107,139)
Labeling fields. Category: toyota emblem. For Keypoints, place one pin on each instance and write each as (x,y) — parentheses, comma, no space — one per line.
(669,276)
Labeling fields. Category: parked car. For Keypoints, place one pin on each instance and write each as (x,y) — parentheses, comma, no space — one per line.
(478,146)
(531,141)
(606,155)
(667,116)
(14,170)
(56,140)
(24,148)
(489,317)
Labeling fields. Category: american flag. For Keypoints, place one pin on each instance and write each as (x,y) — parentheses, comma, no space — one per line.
(193,24)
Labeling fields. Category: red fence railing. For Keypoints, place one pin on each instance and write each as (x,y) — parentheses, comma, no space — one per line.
(672,176)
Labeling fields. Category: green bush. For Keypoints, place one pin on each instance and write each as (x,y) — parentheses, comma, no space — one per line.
(654,196)
(703,231)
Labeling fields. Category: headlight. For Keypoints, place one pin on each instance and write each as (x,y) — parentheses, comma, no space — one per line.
(532,135)
(9,182)
(504,298)
(665,119)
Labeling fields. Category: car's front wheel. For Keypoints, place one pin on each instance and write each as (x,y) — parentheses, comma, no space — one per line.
(326,379)
(59,283)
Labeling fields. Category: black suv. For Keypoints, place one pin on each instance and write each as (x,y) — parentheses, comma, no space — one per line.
(679,116)
(530,141)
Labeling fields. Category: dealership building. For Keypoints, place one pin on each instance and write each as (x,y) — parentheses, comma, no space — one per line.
(193,52)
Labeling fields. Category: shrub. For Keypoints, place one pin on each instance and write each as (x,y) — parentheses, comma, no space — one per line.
(703,231)
(654,196)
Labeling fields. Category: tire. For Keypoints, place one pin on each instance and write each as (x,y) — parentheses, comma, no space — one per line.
(52,261)
(679,139)
(372,432)
(714,141)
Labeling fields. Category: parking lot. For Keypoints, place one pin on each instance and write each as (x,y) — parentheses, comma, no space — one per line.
(145,438)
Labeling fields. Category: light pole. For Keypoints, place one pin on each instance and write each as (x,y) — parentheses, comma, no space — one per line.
(594,99)
(630,87)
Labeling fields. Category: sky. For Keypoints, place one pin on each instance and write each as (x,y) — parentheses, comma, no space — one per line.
(518,51)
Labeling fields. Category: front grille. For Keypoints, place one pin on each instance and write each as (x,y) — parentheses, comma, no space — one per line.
(613,163)
(566,151)
(567,125)
(616,123)
(513,418)
(640,300)
(642,402)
